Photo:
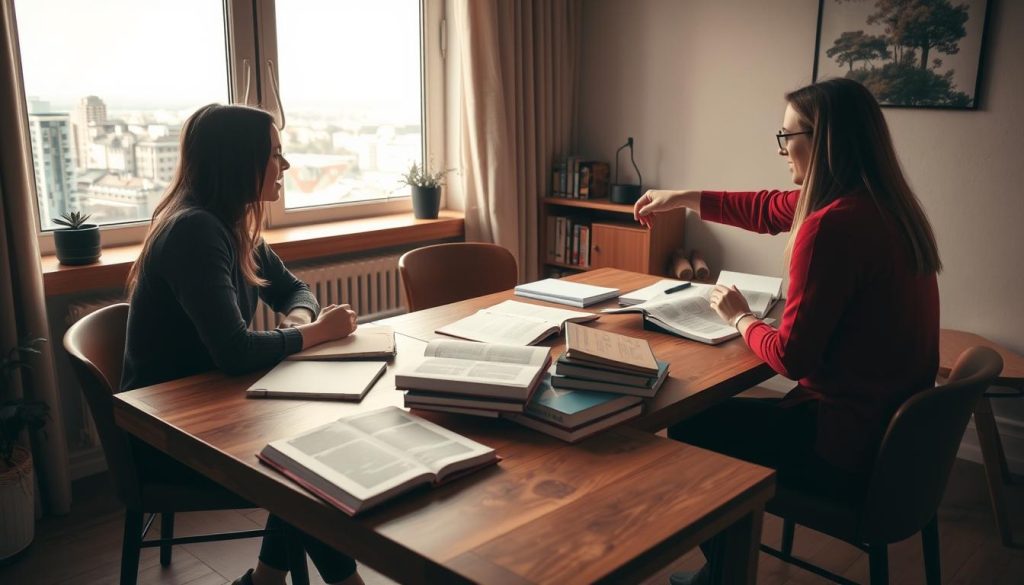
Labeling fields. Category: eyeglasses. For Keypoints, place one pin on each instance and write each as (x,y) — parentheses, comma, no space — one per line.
(783,137)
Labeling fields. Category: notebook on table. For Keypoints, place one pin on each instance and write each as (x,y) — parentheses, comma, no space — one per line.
(367,341)
(361,461)
(514,323)
(609,350)
(318,380)
(566,292)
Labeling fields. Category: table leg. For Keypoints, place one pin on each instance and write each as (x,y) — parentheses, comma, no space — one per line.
(996,468)
(738,547)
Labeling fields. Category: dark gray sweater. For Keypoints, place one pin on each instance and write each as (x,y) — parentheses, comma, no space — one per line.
(191,308)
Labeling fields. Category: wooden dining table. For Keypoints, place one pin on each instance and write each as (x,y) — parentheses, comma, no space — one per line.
(616,507)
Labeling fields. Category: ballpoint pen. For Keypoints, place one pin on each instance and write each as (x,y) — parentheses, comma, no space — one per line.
(676,288)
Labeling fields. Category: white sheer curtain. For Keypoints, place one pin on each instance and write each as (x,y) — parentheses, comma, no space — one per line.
(517,100)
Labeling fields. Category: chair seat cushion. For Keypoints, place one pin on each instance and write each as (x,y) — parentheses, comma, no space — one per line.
(834,517)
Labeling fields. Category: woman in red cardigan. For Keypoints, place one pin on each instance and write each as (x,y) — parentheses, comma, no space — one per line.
(860,329)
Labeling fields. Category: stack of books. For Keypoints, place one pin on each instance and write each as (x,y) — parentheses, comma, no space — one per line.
(602,361)
(482,379)
(599,382)
(573,415)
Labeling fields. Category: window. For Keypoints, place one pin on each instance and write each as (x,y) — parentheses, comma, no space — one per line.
(109,84)
(100,83)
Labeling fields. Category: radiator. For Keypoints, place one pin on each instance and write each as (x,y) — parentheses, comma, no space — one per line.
(87,436)
(370,285)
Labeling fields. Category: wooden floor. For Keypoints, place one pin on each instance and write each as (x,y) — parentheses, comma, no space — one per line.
(84,547)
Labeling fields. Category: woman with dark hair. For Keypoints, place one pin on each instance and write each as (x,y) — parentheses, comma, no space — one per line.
(860,329)
(196,284)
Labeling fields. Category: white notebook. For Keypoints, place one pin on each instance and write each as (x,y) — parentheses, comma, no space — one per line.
(319,380)
(366,342)
(566,292)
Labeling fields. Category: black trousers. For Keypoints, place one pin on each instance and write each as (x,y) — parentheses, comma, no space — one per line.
(332,565)
(772,433)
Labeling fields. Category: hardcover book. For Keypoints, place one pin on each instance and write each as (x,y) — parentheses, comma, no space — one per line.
(361,461)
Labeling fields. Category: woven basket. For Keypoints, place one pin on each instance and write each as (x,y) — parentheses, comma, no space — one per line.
(17,505)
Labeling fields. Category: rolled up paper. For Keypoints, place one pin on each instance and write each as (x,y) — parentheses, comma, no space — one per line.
(680,266)
(700,267)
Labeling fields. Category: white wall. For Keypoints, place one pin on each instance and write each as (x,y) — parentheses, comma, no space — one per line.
(699,85)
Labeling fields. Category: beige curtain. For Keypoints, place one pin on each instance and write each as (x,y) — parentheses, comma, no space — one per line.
(518,83)
(22,302)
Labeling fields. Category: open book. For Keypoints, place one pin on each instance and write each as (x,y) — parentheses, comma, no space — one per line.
(367,341)
(687,313)
(359,461)
(508,372)
(761,292)
(514,323)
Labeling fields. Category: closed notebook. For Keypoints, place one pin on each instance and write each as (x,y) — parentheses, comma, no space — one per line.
(610,350)
(326,380)
(367,341)
(566,292)
(599,386)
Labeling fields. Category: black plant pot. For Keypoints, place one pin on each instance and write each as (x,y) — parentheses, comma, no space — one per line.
(81,246)
(426,202)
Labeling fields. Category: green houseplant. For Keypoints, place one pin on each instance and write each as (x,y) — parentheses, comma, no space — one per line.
(77,242)
(17,481)
(426,190)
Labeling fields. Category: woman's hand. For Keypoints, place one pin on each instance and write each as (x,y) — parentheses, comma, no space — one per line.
(728,302)
(334,322)
(295,317)
(659,200)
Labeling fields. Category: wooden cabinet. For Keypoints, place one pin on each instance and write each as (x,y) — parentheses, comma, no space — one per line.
(615,239)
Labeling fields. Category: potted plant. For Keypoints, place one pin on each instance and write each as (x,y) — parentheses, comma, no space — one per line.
(77,242)
(426,190)
(17,481)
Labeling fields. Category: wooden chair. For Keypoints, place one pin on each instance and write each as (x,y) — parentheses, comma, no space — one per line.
(446,273)
(1008,385)
(907,480)
(96,346)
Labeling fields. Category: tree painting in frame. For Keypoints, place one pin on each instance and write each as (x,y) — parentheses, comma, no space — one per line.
(908,53)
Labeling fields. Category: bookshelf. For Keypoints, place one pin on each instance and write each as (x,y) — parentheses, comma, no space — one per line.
(615,239)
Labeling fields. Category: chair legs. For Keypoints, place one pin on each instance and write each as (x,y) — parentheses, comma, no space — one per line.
(788,531)
(131,546)
(878,559)
(930,544)
(166,533)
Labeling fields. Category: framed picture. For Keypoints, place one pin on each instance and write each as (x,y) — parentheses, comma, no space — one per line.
(909,53)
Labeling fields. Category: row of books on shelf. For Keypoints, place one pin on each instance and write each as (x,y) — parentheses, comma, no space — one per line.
(568,241)
(578,178)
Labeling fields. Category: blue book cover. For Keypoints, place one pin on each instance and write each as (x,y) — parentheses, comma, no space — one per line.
(574,408)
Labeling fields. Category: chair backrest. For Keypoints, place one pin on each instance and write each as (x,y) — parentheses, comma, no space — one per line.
(446,273)
(919,447)
(96,346)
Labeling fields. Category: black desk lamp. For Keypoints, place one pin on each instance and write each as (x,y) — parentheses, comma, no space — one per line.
(626,193)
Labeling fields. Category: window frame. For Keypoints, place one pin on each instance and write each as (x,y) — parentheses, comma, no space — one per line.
(250,40)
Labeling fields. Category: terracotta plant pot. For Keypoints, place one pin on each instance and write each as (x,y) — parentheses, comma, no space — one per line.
(426,202)
(17,504)
(81,246)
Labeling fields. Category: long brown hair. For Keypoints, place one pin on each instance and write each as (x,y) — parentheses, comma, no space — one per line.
(852,152)
(224,155)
